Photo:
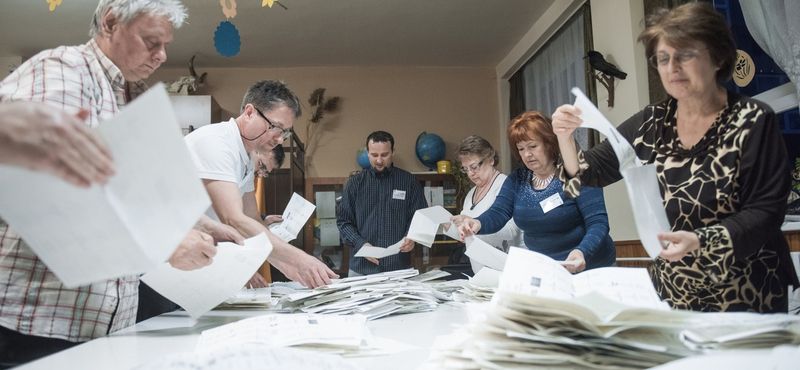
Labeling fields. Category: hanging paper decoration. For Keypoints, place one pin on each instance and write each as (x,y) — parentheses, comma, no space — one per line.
(55,3)
(226,39)
(229,11)
(267,3)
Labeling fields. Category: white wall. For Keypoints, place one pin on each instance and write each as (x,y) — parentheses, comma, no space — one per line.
(616,25)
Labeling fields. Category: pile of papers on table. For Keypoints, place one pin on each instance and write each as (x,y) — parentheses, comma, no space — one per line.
(259,298)
(373,296)
(544,317)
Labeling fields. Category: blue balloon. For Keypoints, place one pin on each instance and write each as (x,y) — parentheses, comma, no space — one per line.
(362,158)
(430,149)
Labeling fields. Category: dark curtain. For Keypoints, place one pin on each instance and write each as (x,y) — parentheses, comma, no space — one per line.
(516,103)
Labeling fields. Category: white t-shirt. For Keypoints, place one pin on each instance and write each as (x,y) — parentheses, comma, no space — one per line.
(510,233)
(218,154)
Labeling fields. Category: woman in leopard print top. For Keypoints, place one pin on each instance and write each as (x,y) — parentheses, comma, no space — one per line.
(722,170)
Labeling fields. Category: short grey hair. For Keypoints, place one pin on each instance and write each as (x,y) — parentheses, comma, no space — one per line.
(475,145)
(127,10)
(266,95)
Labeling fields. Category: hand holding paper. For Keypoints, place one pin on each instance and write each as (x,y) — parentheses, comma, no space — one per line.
(294,217)
(379,252)
(641,181)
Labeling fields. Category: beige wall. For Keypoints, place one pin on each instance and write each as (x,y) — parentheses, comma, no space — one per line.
(616,25)
(450,102)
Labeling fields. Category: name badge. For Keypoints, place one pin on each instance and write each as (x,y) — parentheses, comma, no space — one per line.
(399,194)
(551,202)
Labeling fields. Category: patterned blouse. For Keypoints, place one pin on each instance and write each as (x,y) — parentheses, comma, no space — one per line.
(730,189)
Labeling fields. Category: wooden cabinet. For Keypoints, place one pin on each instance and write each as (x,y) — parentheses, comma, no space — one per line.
(338,256)
(276,190)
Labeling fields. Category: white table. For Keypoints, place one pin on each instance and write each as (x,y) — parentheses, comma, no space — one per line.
(174,333)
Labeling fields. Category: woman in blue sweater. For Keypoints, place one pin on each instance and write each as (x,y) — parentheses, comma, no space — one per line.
(565,229)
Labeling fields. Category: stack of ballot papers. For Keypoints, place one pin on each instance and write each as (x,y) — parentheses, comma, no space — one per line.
(334,334)
(602,318)
(373,296)
(258,298)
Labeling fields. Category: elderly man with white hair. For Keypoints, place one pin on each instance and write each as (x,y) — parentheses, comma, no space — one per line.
(93,81)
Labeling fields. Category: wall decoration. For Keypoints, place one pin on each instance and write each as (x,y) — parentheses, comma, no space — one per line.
(228,8)
(604,72)
(53,4)
(226,39)
(319,106)
(270,2)
(745,69)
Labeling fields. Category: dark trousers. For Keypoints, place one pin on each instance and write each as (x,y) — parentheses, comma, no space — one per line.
(17,348)
(152,304)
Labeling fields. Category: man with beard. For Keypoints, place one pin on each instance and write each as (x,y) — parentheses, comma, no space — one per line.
(377,207)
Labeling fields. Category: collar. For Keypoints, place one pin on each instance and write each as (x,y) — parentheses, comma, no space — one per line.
(113,73)
(382,175)
(243,154)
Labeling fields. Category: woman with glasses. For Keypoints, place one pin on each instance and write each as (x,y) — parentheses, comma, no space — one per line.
(565,229)
(479,160)
(721,166)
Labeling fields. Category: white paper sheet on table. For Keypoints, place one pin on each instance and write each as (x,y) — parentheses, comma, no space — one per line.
(286,330)
(640,180)
(379,252)
(198,291)
(295,217)
(126,227)
(427,222)
(486,254)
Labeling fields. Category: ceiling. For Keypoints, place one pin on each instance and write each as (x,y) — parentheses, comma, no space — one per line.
(467,33)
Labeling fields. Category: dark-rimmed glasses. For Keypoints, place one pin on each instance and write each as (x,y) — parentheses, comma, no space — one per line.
(286,133)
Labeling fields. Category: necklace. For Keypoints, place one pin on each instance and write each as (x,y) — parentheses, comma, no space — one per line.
(481,193)
(539,183)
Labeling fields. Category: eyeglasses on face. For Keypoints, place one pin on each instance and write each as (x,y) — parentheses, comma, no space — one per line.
(472,168)
(286,133)
(680,57)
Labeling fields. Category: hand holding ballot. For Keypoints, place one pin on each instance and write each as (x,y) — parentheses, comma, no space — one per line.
(195,251)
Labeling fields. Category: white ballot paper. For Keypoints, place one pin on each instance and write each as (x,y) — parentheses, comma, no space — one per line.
(126,227)
(534,274)
(198,291)
(640,180)
(295,217)
(278,331)
(378,252)
(427,222)
(486,254)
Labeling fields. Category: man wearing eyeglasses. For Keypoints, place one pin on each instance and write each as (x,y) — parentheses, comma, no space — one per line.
(377,207)
(227,156)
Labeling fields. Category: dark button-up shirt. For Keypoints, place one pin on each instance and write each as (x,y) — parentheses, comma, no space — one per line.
(374,211)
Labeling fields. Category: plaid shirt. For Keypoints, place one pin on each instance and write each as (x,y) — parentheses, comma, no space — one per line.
(371,213)
(32,299)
